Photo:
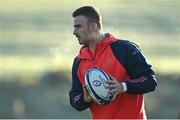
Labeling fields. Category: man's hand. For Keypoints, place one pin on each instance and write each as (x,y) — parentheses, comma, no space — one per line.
(114,86)
(87,97)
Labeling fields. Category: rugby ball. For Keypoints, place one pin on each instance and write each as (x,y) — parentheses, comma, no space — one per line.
(95,81)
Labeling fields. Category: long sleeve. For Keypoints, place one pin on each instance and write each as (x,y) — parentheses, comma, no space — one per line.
(141,77)
(76,92)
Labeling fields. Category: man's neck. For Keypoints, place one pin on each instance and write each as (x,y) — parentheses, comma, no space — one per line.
(97,39)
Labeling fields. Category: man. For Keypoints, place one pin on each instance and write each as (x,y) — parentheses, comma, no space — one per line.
(122,60)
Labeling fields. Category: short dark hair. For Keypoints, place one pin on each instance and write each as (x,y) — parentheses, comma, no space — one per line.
(89,12)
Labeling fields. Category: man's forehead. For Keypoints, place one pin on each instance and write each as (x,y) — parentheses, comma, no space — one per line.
(80,19)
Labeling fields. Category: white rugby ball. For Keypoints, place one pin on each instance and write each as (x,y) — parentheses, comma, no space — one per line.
(95,81)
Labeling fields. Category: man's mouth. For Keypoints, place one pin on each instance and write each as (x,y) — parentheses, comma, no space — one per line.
(78,36)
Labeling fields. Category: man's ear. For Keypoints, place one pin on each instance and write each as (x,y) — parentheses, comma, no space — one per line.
(93,26)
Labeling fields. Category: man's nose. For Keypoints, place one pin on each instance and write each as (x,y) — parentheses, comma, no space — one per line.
(74,32)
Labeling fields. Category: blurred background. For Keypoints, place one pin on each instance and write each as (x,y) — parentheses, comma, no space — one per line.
(37,49)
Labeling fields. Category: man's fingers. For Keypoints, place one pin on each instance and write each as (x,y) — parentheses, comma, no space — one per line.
(84,88)
(113,90)
(111,77)
(111,82)
(87,97)
(85,91)
(111,86)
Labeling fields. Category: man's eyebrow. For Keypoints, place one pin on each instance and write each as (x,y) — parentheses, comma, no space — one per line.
(77,25)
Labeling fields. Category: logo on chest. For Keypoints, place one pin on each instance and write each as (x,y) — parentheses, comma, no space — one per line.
(107,62)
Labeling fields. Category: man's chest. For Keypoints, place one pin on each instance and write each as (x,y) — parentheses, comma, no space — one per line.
(105,61)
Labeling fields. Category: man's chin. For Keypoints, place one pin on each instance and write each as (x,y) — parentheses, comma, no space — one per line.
(81,43)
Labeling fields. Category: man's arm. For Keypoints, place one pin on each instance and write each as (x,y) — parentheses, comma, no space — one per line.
(141,76)
(76,94)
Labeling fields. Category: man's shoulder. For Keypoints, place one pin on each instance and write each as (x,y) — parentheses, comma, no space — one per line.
(76,58)
(123,43)
(120,43)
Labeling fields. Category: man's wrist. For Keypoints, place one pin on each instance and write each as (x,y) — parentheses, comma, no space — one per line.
(124,86)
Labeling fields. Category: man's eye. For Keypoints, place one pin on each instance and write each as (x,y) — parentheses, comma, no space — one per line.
(77,26)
